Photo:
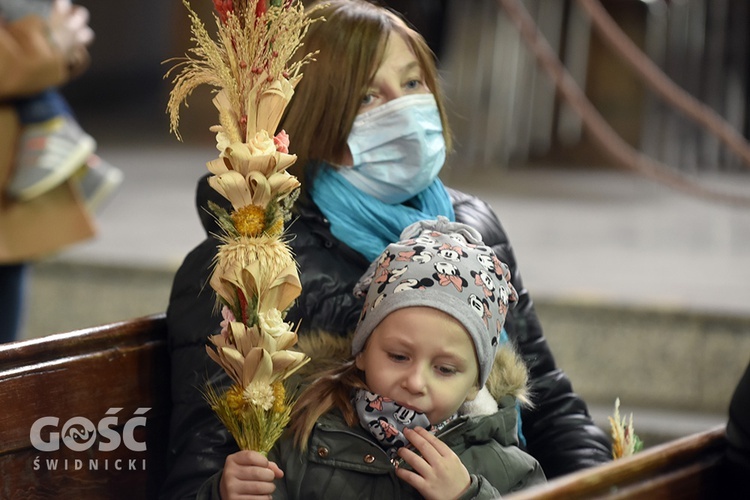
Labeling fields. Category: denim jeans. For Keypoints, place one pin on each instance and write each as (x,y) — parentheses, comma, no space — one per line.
(12,295)
(42,107)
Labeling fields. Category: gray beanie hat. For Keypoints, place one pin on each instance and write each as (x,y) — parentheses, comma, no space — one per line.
(443,265)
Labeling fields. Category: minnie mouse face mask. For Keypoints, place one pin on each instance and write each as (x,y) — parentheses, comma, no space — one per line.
(397,149)
(386,420)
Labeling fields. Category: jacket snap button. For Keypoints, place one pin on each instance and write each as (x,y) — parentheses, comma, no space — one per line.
(369,459)
(322,452)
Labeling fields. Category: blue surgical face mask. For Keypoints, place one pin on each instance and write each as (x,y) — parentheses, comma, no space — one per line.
(397,148)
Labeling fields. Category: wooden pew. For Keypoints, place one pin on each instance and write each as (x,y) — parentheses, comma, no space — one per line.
(106,387)
(687,468)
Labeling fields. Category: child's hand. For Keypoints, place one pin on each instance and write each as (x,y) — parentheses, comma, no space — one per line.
(69,29)
(248,474)
(438,473)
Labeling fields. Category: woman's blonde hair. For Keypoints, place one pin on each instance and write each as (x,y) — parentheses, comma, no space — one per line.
(351,42)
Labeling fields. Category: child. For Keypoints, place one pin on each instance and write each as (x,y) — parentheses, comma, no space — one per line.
(416,411)
(52,146)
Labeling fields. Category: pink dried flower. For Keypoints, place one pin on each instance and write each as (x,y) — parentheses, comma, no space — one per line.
(228,316)
(281,141)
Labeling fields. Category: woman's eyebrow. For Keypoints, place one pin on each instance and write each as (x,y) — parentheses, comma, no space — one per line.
(410,66)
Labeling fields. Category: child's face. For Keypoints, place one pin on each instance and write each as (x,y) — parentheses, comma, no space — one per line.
(421,358)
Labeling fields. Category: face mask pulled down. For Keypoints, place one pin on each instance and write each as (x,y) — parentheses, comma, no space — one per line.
(397,148)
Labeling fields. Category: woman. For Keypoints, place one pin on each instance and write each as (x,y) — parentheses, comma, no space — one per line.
(371,95)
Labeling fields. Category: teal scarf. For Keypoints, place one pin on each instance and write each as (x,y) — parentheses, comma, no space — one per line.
(366,224)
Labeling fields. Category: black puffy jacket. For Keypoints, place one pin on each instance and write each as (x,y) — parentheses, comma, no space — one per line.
(559,431)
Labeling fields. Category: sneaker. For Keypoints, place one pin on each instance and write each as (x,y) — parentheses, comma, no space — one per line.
(49,153)
(97,181)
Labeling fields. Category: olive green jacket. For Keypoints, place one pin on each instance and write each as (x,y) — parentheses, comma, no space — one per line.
(347,462)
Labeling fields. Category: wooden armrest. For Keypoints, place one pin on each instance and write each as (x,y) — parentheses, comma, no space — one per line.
(685,468)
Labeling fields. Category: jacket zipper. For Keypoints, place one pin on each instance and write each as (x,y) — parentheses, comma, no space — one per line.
(456,424)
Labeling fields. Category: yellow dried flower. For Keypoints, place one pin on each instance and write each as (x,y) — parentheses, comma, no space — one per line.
(249,220)
(235,399)
(276,227)
(624,440)
(279,394)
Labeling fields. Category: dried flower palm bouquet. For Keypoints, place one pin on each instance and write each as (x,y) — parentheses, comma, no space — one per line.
(625,442)
(255,275)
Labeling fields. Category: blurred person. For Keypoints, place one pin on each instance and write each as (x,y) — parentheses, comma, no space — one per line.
(52,145)
(368,127)
(38,53)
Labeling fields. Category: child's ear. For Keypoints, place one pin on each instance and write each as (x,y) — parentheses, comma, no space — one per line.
(358,360)
(473,393)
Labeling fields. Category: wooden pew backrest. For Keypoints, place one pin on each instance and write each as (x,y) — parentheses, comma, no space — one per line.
(85,414)
(687,468)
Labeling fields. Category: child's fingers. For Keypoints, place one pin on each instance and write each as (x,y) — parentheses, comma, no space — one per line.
(428,445)
(418,463)
(63,6)
(431,438)
(411,478)
(247,457)
(438,472)
(258,488)
(276,470)
(79,22)
(247,475)
(421,463)
(251,466)
(255,474)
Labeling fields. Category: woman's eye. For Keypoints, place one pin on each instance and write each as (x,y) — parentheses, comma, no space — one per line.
(413,84)
(397,357)
(368,99)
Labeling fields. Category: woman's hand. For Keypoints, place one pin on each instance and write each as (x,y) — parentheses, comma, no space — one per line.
(248,474)
(438,473)
(69,30)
